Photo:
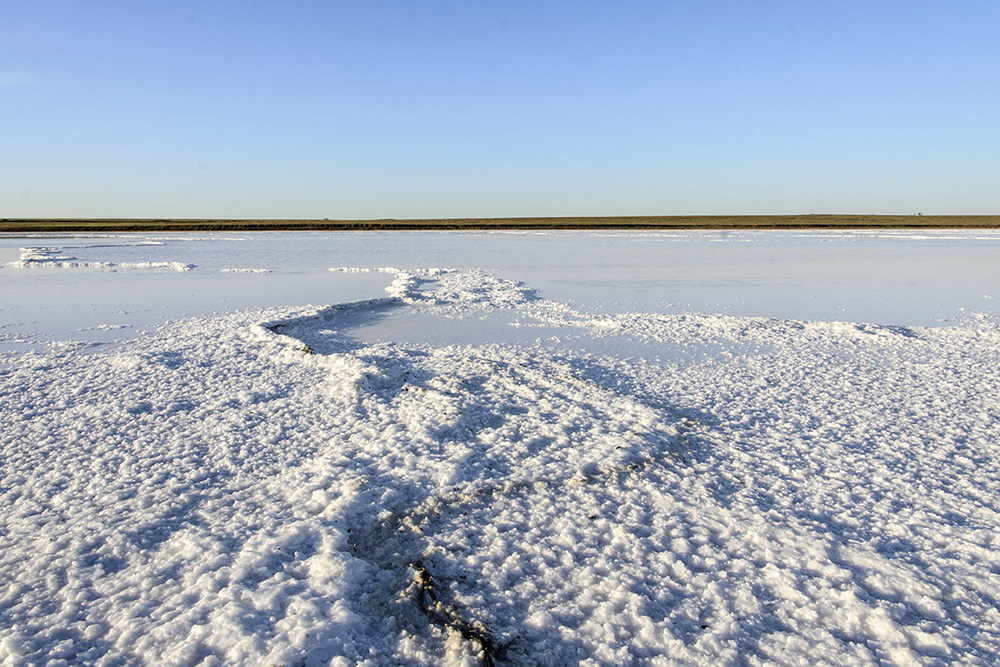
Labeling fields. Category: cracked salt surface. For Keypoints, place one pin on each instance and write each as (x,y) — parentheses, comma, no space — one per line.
(279,485)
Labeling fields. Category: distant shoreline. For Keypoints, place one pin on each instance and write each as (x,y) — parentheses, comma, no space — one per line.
(718,222)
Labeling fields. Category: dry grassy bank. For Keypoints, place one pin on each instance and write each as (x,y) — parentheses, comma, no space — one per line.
(632,222)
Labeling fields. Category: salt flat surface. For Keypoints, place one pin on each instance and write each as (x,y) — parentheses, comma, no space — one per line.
(548,449)
(55,285)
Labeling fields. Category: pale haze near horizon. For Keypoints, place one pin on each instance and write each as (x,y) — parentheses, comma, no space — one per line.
(460,109)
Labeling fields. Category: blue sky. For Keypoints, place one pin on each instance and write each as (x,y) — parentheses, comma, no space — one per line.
(480,108)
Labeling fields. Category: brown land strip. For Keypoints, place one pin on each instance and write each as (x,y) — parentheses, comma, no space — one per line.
(629,222)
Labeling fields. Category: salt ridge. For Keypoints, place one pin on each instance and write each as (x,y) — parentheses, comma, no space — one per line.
(50,257)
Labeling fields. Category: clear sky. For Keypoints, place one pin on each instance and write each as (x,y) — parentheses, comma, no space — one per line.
(368,109)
